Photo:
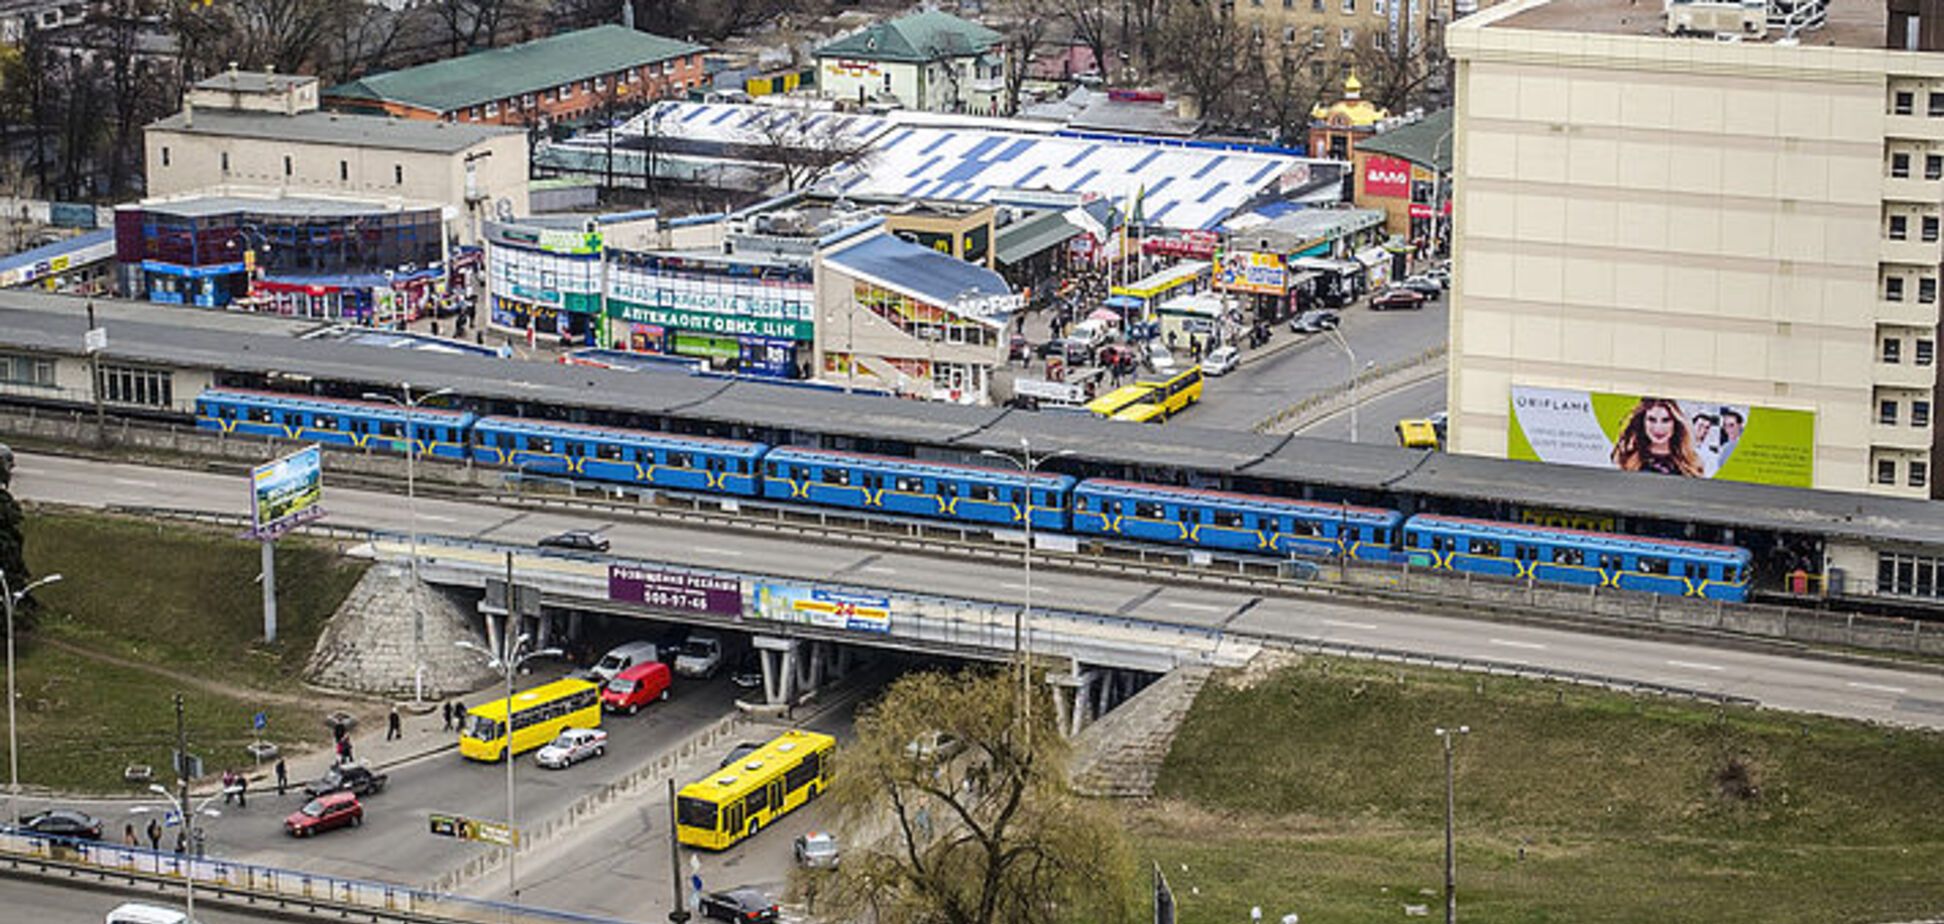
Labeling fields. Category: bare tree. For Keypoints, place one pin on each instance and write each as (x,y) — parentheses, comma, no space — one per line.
(29,94)
(135,94)
(1204,48)
(371,37)
(1394,75)
(1092,22)
(1027,22)
(955,810)
(1144,31)
(1280,90)
(288,35)
(81,89)
(803,156)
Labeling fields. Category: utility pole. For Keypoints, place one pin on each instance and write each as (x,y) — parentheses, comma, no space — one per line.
(1450,870)
(680,915)
(182,776)
(95,343)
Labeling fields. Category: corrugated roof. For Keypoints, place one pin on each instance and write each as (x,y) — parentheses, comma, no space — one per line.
(66,247)
(1024,238)
(1426,142)
(456,83)
(920,271)
(915,39)
(336,128)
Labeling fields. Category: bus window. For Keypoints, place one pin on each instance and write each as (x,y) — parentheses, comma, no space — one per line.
(695,813)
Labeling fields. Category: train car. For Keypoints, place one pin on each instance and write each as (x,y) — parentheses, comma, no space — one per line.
(971,493)
(1571,556)
(370,425)
(615,454)
(1233,522)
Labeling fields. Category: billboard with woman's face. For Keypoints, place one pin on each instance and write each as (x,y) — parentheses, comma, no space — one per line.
(1666,436)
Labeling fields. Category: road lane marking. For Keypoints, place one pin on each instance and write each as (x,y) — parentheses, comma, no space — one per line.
(709,551)
(135,482)
(1690,665)
(438,518)
(1350,625)
(1509,643)
(1877,687)
(1012,585)
(1199,607)
(879,569)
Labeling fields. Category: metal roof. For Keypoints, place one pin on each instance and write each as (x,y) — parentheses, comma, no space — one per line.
(1426,142)
(917,270)
(290,206)
(335,128)
(924,36)
(65,247)
(499,73)
(1032,235)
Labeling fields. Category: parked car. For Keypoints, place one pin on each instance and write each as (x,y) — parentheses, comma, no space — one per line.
(579,540)
(739,752)
(573,746)
(933,747)
(636,687)
(1440,275)
(80,826)
(623,656)
(742,904)
(355,778)
(1315,322)
(138,913)
(1423,285)
(1222,361)
(748,672)
(1117,355)
(1395,298)
(1159,358)
(701,656)
(325,813)
(817,850)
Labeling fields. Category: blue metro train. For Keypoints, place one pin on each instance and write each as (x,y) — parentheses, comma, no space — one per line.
(1217,520)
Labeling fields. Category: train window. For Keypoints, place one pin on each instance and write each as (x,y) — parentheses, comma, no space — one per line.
(260,414)
(1301,528)
(607,451)
(682,460)
(771,470)
(712,464)
(1149,510)
(835,475)
(1609,562)
(982,492)
(1728,573)
(1444,544)
(506,441)
(799,473)
(1692,571)
(1650,565)
(1187,514)
(1568,557)
(1488,547)
(1080,505)
(947,489)
(539,444)
(576,449)
(324,422)
(907,484)
(1228,518)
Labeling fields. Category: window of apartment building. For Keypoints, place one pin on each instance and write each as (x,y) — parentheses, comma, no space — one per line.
(1927,290)
(526,101)
(1934,104)
(1930,228)
(1289,4)
(165,155)
(600,83)
(1886,471)
(1919,473)
(225,157)
(1377,7)
(1349,37)
(1255,2)
(1934,166)
(1316,67)
(344,171)
(26,370)
(1349,6)
(1316,41)
(1899,228)
(1887,412)
(1377,39)
(473,112)
(587,86)
(1255,33)
(1289,35)
(287,167)
(135,385)
(1920,413)
(1893,289)
(1926,351)
(1902,102)
(1899,164)
(1892,350)
(398,174)
(1317,6)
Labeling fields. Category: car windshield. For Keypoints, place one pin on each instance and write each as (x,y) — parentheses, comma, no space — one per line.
(700,648)
(314,808)
(621,686)
(482,728)
(819,846)
(609,663)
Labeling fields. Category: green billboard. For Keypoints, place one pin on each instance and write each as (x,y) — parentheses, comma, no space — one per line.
(1668,436)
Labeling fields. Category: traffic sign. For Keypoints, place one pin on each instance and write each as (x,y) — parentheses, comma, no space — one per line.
(260,720)
(695,882)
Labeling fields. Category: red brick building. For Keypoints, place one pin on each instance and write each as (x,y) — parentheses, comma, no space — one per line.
(574,76)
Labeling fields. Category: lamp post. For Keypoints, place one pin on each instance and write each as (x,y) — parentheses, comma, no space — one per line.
(1451,879)
(411,406)
(1028,465)
(1350,356)
(13,599)
(180,804)
(509,663)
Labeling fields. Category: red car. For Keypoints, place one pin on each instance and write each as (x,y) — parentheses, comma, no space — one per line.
(333,810)
(636,687)
(1397,298)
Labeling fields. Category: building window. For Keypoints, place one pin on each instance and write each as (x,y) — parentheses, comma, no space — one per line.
(492,109)
(1349,37)
(526,101)
(1900,165)
(1934,166)
(1893,289)
(1926,351)
(1927,290)
(1377,7)
(1920,413)
(165,155)
(1903,102)
(1930,228)
(135,385)
(1935,105)
(398,174)
(1316,6)
(1349,6)
(26,370)
(1316,67)
(1289,4)
(1887,412)
(344,171)
(1289,35)
(1919,473)
(1886,471)
(1899,228)
(1316,41)
(1892,350)
(474,112)
(1910,575)
(286,165)
(225,161)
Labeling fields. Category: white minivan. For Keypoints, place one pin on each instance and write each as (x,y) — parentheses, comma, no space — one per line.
(624,656)
(138,913)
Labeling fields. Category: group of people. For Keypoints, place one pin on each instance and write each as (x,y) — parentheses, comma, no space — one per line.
(1659,436)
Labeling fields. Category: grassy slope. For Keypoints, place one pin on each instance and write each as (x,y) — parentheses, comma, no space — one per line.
(1322,793)
(177,598)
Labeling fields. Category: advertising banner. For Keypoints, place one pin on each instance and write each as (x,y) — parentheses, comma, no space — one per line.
(286,492)
(680,591)
(1389,177)
(727,325)
(1244,271)
(1669,436)
(833,609)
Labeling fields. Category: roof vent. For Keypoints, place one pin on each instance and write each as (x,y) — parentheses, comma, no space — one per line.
(753,766)
(725,781)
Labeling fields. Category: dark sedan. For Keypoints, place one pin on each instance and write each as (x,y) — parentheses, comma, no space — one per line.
(80,826)
(1394,299)
(354,778)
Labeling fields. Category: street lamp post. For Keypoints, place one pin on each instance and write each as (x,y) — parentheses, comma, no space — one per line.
(13,599)
(1028,465)
(180,804)
(411,406)
(509,663)
(1351,357)
(1451,876)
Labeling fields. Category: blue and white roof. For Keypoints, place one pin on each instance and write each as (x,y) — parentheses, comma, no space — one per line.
(924,273)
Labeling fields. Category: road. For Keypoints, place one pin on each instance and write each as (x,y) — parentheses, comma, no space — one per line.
(1855,691)
(1378,413)
(1238,400)
(32,902)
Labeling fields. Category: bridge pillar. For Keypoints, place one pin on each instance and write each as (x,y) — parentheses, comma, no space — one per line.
(574,625)
(809,666)
(1066,696)
(492,632)
(839,663)
(543,631)
(779,665)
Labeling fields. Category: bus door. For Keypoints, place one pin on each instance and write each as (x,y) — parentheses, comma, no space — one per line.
(776,797)
(732,819)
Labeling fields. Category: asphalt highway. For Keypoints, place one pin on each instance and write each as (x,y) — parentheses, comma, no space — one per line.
(32,902)
(1913,697)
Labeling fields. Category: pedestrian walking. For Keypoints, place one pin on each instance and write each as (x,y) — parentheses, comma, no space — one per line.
(129,837)
(445,714)
(283,777)
(229,786)
(155,834)
(242,790)
(391,726)
(344,751)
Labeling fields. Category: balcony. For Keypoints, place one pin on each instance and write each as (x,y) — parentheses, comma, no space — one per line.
(1907,313)
(1905,374)
(1913,126)
(1911,252)
(1886,436)
(1913,188)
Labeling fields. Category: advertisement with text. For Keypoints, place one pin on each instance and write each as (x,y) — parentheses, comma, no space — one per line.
(1688,437)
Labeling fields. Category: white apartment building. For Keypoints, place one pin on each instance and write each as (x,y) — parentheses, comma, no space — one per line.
(1749,226)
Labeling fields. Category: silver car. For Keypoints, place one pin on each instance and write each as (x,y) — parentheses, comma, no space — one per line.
(817,850)
(573,746)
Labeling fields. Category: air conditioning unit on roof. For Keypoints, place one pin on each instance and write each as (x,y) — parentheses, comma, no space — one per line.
(1716,17)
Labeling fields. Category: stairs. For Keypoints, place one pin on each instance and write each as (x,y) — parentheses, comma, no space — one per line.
(1119,756)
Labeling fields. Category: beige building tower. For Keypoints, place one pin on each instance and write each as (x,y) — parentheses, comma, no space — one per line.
(1742,217)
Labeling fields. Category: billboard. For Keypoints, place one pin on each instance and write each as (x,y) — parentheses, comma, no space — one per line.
(680,591)
(831,609)
(286,492)
(1245,271)
(1389,177)
(1669,436)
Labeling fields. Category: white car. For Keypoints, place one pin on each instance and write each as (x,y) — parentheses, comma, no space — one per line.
(1222,361)
(573,746)
(701,656)
(1159,357)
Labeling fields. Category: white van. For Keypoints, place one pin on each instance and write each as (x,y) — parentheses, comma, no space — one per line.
(137,913)
(623,657)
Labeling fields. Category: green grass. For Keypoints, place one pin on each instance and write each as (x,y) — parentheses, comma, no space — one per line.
(1320,790)
(172,599)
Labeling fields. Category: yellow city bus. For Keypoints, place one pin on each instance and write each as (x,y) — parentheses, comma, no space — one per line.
(738,800)
(1166,398)
(1119,399)
(538,716)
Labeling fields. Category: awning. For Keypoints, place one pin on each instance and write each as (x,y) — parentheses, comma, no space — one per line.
(1102,314)
(1373,257)
(1122,301)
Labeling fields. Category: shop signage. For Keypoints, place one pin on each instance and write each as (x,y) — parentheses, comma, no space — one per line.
(1388,177)
(723,324)
(681,591)
(734,299)
(579,243)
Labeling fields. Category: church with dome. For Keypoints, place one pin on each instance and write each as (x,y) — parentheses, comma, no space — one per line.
(1335,129)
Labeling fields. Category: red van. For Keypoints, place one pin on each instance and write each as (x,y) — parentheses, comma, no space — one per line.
(635,687)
